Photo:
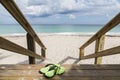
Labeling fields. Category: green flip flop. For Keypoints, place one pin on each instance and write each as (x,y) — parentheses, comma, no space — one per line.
(52,69)
(45,69)
(60,69)
(51,72)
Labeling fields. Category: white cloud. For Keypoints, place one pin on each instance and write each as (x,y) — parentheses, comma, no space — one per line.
(83,7)
(38,10)
(44,8)
(71,16)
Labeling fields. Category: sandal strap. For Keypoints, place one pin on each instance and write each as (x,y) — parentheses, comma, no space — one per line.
(53,67)
(48,65)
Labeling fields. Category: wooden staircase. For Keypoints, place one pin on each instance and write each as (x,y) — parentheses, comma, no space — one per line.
(72,72)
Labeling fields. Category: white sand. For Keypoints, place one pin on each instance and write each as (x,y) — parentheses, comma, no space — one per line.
(63,49)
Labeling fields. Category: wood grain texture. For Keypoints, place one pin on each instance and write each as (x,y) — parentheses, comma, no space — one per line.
(99,47)
(8,45)
(81,54)
(67,66)
(31,47)
(60,78)
(73,72)
(111,51)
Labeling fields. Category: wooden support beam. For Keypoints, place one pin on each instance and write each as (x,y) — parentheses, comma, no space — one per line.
(17,14)
(112,51)
(10,46)
(43,52)
(111,24)
(99,47)
(31,47)
(81,54)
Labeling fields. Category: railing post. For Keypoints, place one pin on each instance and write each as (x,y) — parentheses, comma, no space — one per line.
(43,52)
(99,47)
(81,54)
(31,47)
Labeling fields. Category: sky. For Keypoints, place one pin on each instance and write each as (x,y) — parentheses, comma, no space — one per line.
(64,11)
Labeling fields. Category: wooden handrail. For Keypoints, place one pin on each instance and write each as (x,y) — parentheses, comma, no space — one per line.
(112,51)
(111,24)
(12,8)
(17,14)
(99,37)
(8,45)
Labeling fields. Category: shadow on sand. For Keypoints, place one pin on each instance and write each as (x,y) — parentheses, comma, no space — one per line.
(69,58)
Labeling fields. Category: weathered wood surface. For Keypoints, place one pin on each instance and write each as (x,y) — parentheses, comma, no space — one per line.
(81,54)
(111,51)
(60,78)
(73,72)
(8,45)
(73,67)
(17,14)
(31,47)
(99,47)
(111,24)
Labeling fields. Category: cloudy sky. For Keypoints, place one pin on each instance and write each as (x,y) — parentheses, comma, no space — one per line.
(64,11)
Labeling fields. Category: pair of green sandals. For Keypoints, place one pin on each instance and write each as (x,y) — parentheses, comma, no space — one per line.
(51,70)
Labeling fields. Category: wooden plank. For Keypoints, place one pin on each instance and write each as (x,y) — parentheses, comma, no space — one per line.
(89,72)
(17,14)
(112,51)
(67,67)
(31,47)
(60,78)
(74,73)
(8,45)
(99,47)
(111,24)
(81,54)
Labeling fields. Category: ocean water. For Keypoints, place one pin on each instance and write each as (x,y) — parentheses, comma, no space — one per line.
(54,28)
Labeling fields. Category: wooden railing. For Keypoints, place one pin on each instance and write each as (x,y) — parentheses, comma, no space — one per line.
(12,8)
(99,37)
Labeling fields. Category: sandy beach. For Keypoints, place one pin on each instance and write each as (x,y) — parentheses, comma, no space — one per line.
(63,49)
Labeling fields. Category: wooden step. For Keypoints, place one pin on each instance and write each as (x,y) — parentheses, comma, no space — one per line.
(73,72)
